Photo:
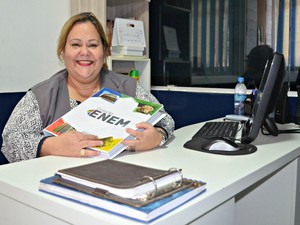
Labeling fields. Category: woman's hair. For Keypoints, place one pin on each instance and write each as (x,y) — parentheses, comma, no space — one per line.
(82,18)
(258,57)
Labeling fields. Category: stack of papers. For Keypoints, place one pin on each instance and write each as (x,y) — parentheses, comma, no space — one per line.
(128,38)
(127,50)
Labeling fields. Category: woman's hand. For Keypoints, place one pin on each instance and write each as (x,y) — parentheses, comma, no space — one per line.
(72,143)
(146,139)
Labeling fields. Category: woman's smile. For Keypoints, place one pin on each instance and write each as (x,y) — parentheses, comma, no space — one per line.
(84,62)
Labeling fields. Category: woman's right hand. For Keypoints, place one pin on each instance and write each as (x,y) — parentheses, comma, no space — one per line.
(72,144)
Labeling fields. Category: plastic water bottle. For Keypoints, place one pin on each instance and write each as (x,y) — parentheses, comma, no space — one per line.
(240,94)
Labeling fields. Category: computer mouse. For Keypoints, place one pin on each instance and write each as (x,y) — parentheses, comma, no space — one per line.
(220,144)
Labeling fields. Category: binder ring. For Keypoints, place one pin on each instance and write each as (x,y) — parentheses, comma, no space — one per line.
(154,183)
(180,173)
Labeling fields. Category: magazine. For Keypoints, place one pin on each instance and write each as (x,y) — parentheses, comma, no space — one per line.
(107,114)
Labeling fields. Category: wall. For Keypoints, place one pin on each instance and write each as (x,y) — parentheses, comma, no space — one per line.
(188,107)
(28,39)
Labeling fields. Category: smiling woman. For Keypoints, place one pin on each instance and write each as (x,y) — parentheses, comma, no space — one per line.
(83,48)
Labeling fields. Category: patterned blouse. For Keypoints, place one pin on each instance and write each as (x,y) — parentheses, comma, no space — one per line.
(23,131)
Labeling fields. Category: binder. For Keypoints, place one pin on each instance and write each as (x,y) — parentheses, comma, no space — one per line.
(122,179)
(124,182)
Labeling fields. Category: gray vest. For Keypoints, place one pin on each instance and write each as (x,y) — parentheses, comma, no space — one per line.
(53,97)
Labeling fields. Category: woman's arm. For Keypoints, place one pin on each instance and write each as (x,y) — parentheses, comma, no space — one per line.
(23,133)
(167,124)
(23,130)
(148,137)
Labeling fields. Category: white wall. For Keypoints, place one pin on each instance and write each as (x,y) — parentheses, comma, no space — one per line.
(28,38)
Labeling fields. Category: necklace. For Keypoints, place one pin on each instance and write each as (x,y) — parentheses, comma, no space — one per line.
(84,91)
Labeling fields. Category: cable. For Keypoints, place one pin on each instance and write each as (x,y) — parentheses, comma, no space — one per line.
(289,131)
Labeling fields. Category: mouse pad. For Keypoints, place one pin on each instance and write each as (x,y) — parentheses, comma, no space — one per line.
(197,143)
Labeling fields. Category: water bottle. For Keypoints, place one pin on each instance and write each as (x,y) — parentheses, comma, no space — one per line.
(240,94)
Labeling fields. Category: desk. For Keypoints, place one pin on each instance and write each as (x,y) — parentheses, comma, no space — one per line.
(260,186)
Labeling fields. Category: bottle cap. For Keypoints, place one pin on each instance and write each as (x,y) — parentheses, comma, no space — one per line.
(134,74)
(241,79)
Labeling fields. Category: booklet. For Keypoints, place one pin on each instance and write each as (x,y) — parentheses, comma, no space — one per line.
(107,114)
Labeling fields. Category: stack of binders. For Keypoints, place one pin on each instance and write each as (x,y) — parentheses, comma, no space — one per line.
(129,190)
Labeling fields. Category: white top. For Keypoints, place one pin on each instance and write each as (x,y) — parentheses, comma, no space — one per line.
(225,176)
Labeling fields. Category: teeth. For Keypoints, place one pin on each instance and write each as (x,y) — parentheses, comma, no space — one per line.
(84,62)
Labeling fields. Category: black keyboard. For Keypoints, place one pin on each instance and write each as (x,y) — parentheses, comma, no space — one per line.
(226,129)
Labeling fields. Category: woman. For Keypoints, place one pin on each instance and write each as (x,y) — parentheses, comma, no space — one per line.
(83,48)
(256,63)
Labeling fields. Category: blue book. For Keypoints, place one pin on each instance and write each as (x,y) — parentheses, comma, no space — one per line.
(145,213)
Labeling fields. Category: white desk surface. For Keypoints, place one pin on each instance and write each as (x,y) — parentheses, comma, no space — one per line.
(226,176)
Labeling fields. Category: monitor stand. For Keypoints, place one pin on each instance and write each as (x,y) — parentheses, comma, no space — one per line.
(271,127)
(282,108)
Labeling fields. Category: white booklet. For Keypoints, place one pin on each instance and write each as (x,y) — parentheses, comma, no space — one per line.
(107,114)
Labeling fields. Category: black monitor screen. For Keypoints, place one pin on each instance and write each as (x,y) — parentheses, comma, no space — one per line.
(294,80)
(266,98)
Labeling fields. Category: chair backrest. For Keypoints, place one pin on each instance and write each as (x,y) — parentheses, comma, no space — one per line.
(8,102)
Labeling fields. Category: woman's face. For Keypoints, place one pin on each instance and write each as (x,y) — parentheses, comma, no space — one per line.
(83,53)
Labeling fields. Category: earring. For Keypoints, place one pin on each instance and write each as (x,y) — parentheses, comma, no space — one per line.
(62,60)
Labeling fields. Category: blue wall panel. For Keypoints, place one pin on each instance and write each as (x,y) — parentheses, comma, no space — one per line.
(187,108)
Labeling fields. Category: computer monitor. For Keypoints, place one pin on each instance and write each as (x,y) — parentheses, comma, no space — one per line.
(266,100)
(294,80)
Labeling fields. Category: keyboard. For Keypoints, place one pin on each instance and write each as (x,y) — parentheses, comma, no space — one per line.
(226,129)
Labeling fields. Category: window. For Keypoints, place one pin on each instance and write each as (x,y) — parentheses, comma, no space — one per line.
(222,34)
(218,28)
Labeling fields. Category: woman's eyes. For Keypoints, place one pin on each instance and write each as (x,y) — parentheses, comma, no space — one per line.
(89,46)
(93,45)
(75,45)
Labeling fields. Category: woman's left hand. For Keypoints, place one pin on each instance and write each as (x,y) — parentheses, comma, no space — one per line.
(146,139)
